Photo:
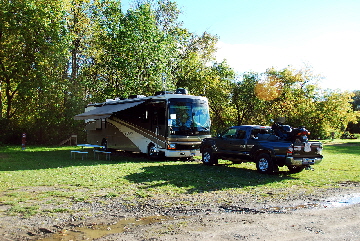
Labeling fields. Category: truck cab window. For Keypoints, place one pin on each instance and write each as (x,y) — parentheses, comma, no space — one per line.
(230,133)
(241,134)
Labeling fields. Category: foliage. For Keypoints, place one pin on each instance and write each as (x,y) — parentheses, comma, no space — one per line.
(197,71)
(138,50)
(57,56)
(354,126)
(293,95)
(32,87)
(249,108)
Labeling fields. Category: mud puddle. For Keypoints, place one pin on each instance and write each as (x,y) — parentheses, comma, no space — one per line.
(92,232)
(353,198)
(349,199)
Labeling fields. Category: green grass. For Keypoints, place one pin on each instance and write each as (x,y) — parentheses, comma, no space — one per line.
(41,175)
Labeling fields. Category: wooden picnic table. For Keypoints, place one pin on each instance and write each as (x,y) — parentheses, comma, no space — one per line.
(95,150)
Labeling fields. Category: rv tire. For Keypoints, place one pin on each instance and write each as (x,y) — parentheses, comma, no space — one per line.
(152,153)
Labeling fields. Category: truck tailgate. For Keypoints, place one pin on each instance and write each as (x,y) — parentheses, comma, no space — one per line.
(307,149)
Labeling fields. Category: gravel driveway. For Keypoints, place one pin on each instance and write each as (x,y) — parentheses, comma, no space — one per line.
(324,214)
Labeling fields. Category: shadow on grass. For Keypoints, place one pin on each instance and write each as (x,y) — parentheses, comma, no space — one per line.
(191,177)
(14,159)
(195,178)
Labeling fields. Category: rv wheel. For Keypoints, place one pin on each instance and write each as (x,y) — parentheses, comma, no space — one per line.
(152,152)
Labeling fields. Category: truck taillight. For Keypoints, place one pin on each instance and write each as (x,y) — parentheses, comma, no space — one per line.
(303,133)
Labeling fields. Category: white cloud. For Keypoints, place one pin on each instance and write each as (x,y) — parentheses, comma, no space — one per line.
(335,56)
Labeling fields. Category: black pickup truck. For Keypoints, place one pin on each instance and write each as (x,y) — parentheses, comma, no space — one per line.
(260,144)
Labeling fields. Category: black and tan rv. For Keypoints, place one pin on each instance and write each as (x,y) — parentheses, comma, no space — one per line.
(170,124)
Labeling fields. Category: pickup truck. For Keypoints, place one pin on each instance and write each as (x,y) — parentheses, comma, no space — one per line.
(260,144)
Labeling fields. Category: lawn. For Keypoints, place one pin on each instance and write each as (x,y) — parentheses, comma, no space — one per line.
(48,174)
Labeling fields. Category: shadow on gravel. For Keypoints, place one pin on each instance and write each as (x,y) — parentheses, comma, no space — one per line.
(200,178)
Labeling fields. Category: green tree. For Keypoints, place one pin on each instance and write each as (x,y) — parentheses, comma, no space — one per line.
(137,52)
(333,114)
(249,108)
(354,126)
(30,58)
(197,70)
(294,95)
(79,33)
(218,83)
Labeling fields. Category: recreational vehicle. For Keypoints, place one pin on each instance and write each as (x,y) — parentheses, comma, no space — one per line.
(170,124)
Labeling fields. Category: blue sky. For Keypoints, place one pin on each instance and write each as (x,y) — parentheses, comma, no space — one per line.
(259,34)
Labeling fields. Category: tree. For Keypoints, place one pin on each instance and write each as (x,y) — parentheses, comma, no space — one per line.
(354,126)
(249,108)
(333,114)
(137,50)
(292,94)
(29,36)
(30,57)
(79,31)
(197,71)
(219,79)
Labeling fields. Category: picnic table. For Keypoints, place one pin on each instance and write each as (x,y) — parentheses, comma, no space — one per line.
(96,150)
(90,146)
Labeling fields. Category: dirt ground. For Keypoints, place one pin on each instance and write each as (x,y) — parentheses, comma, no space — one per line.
(331,214)
(340,223)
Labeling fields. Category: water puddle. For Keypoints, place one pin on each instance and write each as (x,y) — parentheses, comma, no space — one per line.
(92,232)
(285,209)
(349,199)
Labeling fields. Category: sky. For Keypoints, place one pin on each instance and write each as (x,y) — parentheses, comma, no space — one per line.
(255,35)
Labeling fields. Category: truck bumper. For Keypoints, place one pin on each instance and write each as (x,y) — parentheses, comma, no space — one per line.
(302,161)
(182,153)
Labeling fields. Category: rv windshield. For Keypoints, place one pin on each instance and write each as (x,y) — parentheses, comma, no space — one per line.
(189,116)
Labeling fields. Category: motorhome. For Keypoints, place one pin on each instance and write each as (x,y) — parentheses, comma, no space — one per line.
(170,124)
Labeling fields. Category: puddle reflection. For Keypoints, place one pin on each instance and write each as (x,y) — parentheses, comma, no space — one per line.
(350,199)
(353,198)
(91,232)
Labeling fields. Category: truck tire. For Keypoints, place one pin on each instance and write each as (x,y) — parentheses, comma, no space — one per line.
(295,169)
(209,158)
(265,165)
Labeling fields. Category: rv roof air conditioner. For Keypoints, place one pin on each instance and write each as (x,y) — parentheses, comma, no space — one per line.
(164,92)
(181,91)
(136,96)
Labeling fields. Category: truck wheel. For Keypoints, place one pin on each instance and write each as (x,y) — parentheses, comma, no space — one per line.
(209,158)
(265,165)
(295,169)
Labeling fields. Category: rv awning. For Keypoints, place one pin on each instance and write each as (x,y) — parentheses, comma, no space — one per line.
(106,110)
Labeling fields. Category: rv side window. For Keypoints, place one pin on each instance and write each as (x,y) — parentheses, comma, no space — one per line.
(98,124)
(158,113)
